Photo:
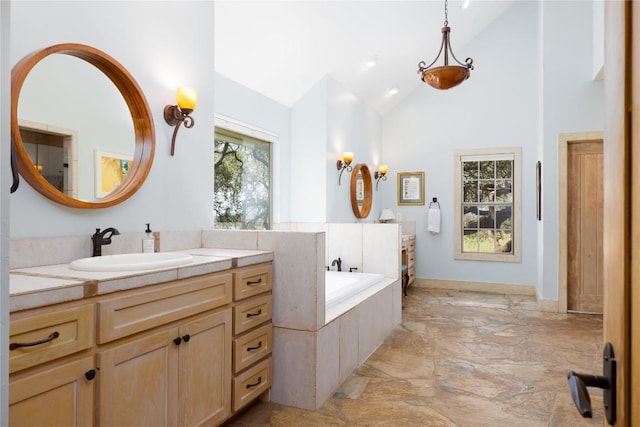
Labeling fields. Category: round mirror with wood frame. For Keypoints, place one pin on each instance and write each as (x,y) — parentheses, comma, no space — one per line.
(361,190)
(144,133)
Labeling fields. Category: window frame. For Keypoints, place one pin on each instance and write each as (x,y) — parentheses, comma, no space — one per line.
(516,237)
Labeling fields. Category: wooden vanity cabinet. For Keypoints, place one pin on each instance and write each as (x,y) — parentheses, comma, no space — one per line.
(409,259)
(52,379)
(185,353)
(175,376)
(165,369)
(253,333)
(60,395)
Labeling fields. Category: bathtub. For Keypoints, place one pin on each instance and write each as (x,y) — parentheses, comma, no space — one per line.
(340,286)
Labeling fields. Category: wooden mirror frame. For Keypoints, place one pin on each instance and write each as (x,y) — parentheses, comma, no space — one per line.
(368,190)
(144,130)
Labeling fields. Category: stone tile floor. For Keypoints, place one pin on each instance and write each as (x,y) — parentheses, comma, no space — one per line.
(462,359)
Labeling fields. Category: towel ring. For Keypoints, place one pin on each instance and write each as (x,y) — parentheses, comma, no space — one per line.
(434,202)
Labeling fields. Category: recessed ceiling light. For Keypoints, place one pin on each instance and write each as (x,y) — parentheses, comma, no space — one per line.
(371,63)
(394,90)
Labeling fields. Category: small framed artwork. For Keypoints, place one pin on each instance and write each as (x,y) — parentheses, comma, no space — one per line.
(111,170)
(411,188)
(539,190)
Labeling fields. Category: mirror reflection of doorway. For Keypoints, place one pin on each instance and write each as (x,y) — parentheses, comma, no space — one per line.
(52,153)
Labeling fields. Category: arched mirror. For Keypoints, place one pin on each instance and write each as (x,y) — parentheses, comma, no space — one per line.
(81,128)
(361,190)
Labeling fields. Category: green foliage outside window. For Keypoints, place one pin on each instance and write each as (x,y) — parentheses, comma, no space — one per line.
(242,181)
(487,208)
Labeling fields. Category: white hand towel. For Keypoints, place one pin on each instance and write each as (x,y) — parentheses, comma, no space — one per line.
(433,223)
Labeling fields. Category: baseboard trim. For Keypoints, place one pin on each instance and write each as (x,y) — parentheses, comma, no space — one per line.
(494,288)
(548,305)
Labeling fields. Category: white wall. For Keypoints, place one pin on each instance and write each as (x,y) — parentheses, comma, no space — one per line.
(495,108)
(308,182)
(533,81)
(244,105)
(144,37)
(572,102)
(351,126)
(327,121)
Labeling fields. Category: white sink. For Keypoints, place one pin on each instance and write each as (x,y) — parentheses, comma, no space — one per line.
(129,262)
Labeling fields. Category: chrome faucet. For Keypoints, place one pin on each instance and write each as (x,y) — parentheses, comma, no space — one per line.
(337,262)
(102,238)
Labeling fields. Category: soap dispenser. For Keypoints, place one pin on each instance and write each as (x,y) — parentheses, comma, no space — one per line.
(148,243)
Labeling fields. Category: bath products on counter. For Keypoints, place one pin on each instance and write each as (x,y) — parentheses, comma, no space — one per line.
(148,243)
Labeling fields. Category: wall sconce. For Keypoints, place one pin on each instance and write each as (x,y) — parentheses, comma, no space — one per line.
(175,115)
(345,163)
(381,174)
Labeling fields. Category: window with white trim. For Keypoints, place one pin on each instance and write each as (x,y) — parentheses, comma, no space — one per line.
(488,204)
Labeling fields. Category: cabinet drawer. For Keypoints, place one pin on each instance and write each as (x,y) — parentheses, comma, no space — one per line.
(411,261)
(135,312)
(58,333)
(252,281)
(251,313)
(251,384)
(251,347)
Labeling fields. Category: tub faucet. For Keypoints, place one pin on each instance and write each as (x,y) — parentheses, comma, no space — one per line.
(337,262)
(102,238)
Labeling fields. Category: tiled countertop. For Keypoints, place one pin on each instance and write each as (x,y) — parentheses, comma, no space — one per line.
(51,284)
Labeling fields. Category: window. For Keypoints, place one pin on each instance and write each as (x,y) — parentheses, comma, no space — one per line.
(242,181)
(488,205)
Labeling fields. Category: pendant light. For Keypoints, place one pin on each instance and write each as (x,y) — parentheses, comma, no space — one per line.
(445,76)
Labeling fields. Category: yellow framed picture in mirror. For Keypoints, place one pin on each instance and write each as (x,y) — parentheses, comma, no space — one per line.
(111,170)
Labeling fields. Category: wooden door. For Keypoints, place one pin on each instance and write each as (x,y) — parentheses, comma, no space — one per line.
(205,370)
(58,396)
(138,382)
(584,227)
(622,202)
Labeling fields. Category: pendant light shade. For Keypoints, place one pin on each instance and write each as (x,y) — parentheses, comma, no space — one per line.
(445,76)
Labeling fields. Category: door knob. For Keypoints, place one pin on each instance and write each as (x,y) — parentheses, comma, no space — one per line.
(578,384)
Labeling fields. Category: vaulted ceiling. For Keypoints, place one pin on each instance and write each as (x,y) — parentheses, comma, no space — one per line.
(282,48)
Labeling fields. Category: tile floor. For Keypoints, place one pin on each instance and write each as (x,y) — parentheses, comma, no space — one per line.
(462,359)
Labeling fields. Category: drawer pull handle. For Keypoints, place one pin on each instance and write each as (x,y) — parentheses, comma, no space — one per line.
(177,341)
(90,374)
(255,384)
(186,338)
(51,337)
(254,282)
(256,347)
(258,313)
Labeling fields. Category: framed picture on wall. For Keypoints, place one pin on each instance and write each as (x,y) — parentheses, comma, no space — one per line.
(411,188)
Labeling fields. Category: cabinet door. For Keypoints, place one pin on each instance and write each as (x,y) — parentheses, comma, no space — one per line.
(138,382)
(58,396)
(205,370)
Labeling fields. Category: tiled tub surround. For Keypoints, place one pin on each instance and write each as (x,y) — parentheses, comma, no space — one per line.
(312,352)
(315,351)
